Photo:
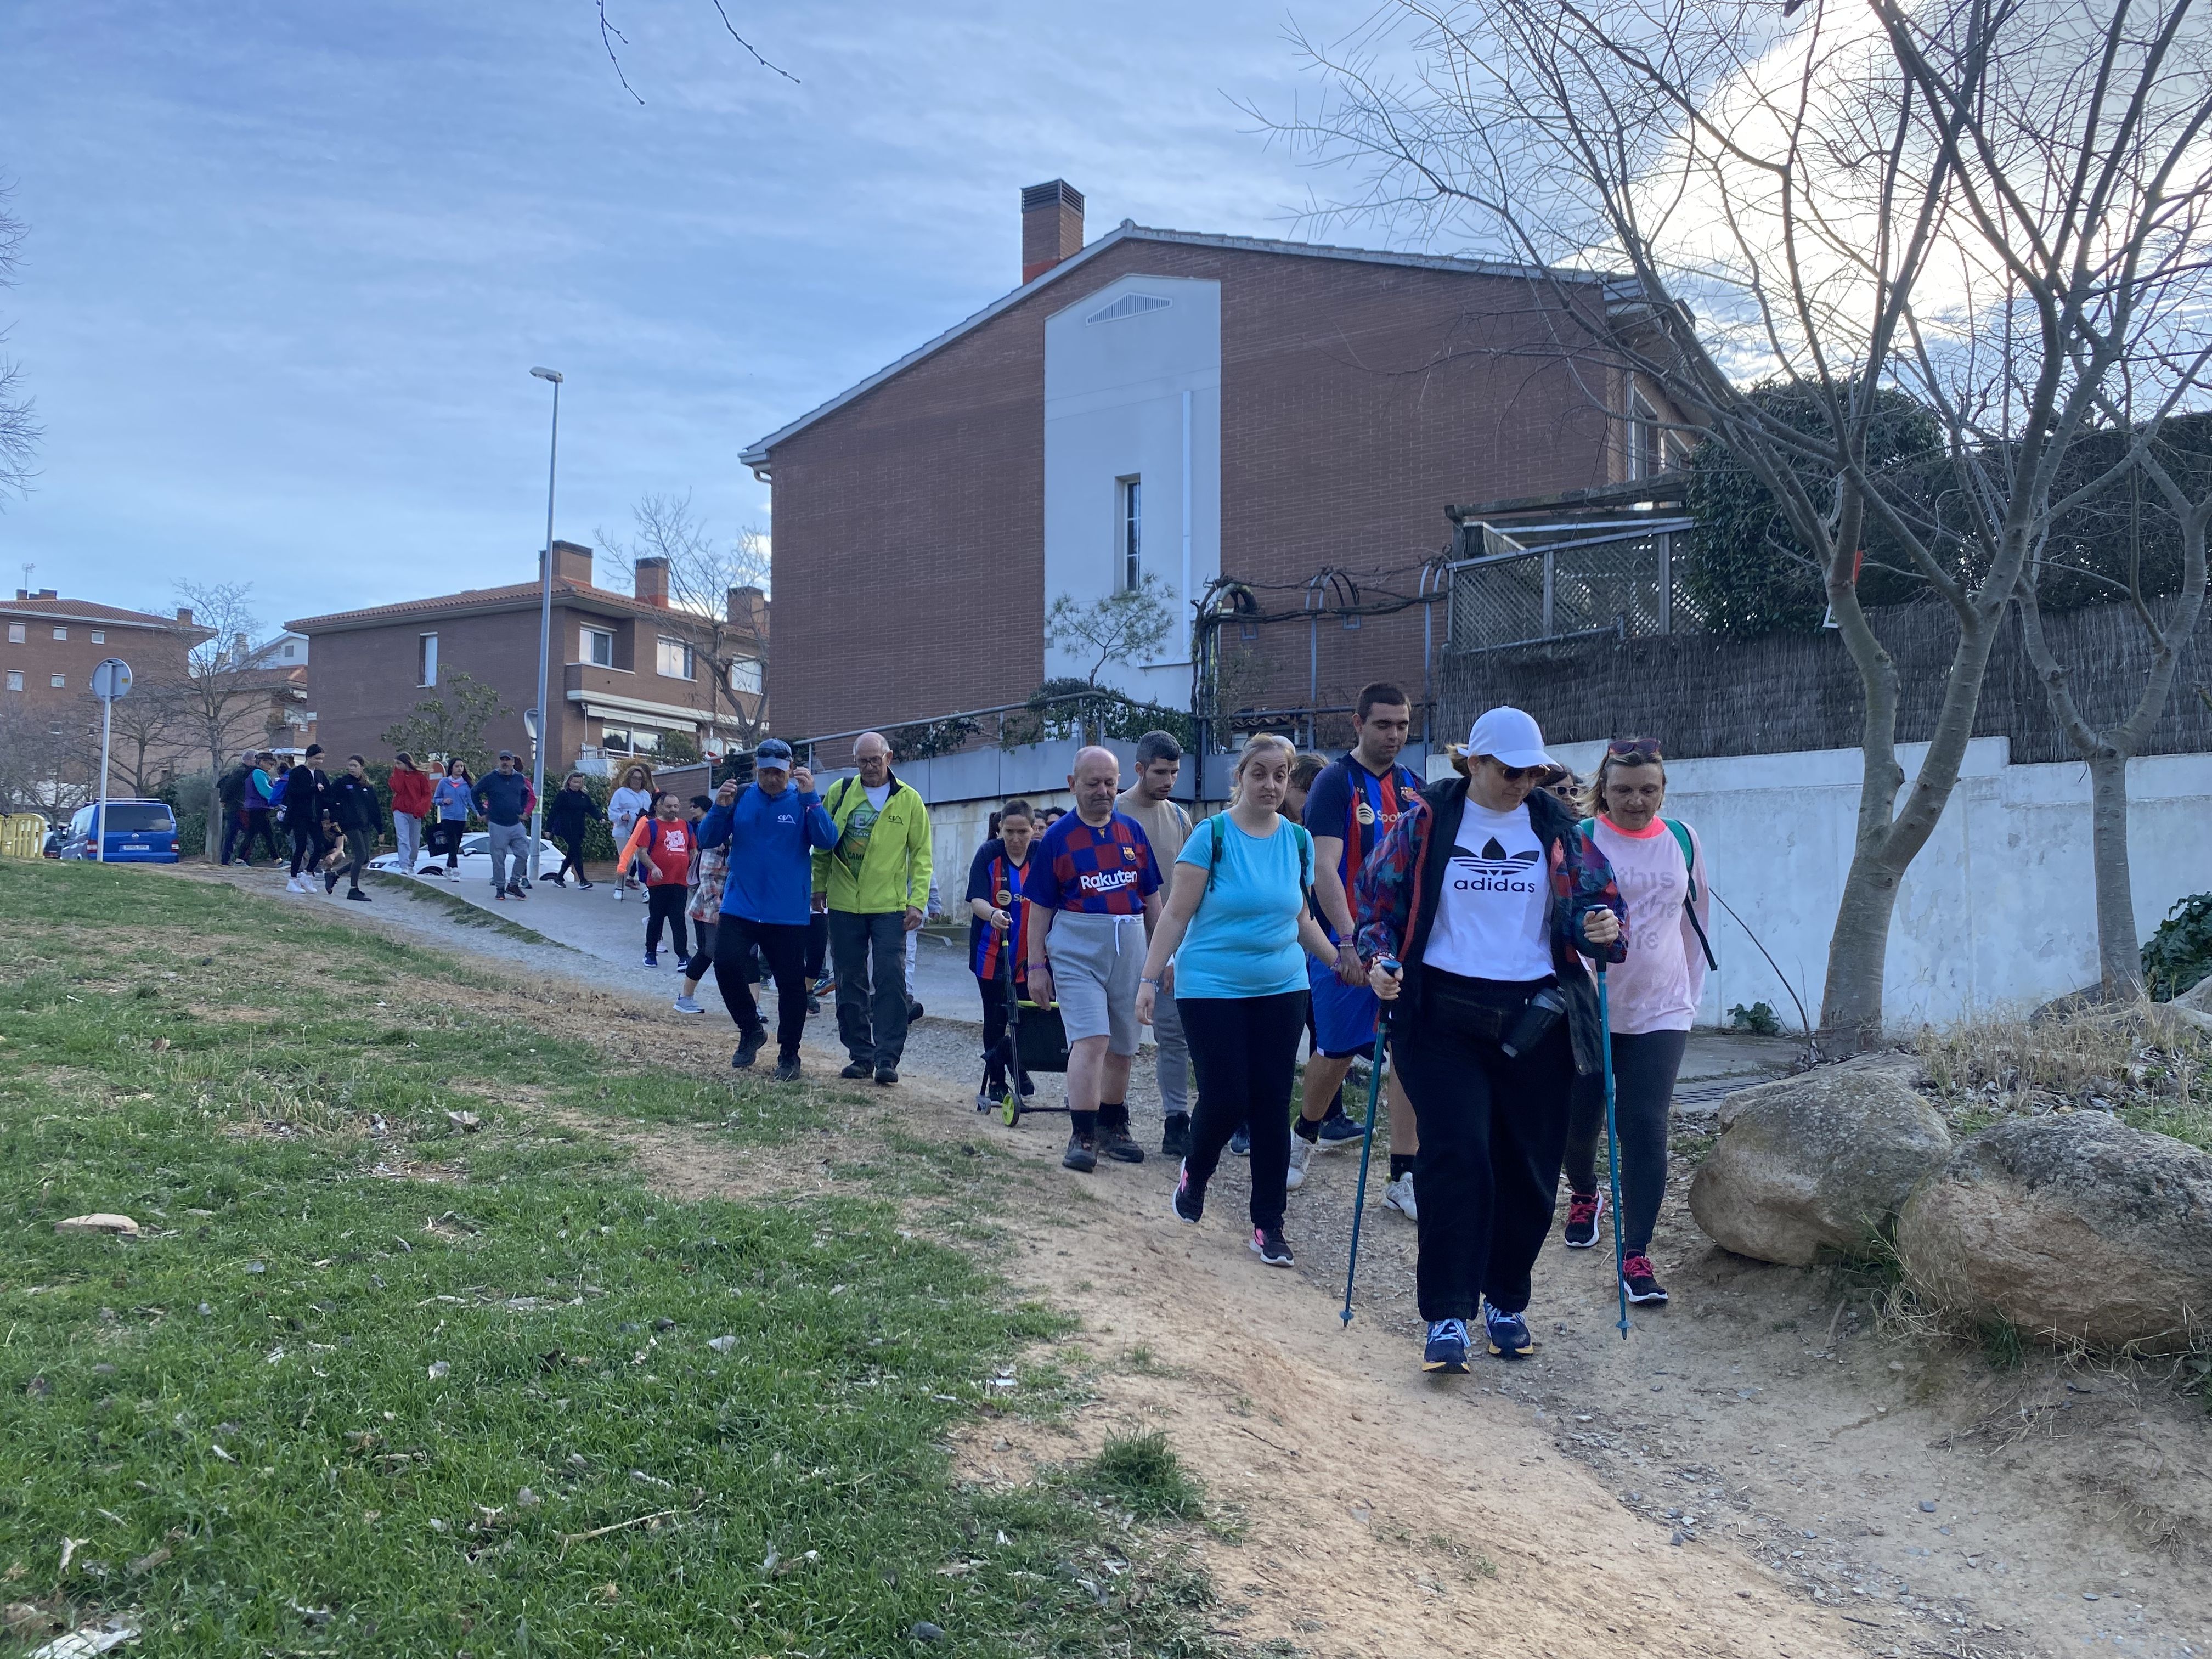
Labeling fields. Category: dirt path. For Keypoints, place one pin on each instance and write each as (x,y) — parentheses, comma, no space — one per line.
(1835,1484)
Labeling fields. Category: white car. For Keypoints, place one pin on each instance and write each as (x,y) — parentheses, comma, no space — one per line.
(475,861)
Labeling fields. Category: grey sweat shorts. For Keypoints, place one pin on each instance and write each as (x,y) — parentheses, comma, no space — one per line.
(1097,962)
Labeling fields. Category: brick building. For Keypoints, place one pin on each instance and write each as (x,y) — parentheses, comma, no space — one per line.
(1183,407)
(53,644)
(629,671)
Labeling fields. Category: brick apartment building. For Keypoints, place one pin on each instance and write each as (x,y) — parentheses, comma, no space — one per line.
(629,671)
(1184,406)
(53,644)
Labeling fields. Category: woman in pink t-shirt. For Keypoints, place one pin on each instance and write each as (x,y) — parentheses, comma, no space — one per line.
(1653,995)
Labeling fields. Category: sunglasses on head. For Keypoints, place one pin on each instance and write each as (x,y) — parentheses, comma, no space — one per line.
(1633,748)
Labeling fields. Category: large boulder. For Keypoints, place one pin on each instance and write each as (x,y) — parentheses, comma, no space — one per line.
(1817,1165)
(2075,1227)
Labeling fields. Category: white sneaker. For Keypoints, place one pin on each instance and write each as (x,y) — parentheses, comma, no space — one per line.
(1398,1195)
(293,886)
(687,1005)
(1301,1149)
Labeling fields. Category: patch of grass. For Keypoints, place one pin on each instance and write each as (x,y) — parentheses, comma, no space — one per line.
(2001,1343)
(526,1407)
(1140,1472)
(456,908)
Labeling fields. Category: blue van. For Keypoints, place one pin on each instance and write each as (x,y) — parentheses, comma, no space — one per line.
(138,832)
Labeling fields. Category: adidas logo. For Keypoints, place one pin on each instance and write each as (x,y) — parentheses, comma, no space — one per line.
(1494,869)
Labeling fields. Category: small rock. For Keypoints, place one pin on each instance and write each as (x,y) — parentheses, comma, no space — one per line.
(256,1267)
(206,1312)
(436,1525)
(1927,1507)
(663,1323)
(2088,1595)
(439,1368)
(527,1500)
(100,1222)
(103,1369)
(1002,1444)
(1678,1537)
(39,1388)
(722,1343)
(923,1631)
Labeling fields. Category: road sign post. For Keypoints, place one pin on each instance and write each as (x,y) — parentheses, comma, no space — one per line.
(111,680)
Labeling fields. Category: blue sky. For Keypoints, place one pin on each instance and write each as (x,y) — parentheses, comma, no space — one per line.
(288,267)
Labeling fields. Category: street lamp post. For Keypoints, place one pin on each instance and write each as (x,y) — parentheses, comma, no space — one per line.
(545,636)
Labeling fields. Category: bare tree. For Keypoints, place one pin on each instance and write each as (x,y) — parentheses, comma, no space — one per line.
(1128,625)
(35,773)
(2185,495)
(223,699)
(146,733)
(713,586)
(1994,207)
(20,431)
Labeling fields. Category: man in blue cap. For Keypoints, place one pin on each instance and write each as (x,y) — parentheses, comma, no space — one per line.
(773,828)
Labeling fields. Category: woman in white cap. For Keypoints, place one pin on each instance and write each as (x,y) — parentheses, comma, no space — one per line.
(1474,913)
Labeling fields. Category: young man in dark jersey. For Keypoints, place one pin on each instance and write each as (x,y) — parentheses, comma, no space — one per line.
(1352,804)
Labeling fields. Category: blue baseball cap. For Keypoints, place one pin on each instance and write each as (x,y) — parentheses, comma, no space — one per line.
(773,752)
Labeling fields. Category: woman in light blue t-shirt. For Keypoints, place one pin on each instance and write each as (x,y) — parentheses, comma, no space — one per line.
(1237,928)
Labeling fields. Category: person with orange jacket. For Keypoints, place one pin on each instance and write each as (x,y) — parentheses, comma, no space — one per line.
(661,844)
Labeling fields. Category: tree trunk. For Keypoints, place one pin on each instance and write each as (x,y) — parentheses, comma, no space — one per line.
(2119,958)
(215,804)
(1858,949)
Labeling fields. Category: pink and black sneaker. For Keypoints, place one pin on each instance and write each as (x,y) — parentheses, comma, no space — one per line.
(1188,1200)
(1584,1210)
(1642,1285)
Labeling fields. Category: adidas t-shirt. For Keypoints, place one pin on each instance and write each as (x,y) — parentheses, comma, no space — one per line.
(1491,920)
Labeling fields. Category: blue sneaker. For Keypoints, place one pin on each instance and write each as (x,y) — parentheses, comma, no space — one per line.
(1240,1143)
(1338,1132)
(1508,1333)
(1446,1348)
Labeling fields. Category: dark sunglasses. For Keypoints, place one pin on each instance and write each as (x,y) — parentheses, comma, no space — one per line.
(1515,774)
(1634,748)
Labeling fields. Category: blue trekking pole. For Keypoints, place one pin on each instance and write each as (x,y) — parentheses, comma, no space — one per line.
(1612,1149)
(1367,1142)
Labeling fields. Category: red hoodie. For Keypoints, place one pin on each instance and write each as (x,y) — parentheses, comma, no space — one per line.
(410,792)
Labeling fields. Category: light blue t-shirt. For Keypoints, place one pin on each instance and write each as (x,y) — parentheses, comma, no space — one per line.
(1244,942)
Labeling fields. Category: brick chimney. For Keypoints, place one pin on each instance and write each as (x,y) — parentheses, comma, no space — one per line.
(184,615)
(652,585)
(1051,226)
(749,608)
(572,563)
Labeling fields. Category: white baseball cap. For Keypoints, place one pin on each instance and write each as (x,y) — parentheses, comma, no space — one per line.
(1509,737)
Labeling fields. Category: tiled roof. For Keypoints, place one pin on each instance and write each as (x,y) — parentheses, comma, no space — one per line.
(515,596)
(756,454)
(86,610)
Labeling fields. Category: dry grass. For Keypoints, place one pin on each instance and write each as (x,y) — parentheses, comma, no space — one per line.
(2135,1058)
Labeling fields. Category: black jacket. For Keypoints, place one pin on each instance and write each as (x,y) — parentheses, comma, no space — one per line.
(230,787)
(306,796)
(569,813)
(354,804)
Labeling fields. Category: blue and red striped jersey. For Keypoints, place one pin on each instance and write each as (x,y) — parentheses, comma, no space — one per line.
(1106,871)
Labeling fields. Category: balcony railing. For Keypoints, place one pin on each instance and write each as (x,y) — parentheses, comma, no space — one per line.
(1545,582)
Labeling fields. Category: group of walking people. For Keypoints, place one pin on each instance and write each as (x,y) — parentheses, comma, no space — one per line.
(1451,932)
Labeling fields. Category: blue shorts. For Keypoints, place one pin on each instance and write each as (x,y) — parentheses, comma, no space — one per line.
(1345,1016)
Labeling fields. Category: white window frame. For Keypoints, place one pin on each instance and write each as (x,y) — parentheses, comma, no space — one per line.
(1130,532)
(745,676)
(18,633)
(660,651)
(61,633)
(15,679)
(585,638)
(99,636)
(290,648)
(1645,442)
(57,681)
(426,661)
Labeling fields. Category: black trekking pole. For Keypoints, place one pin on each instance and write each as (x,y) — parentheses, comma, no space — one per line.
(1612,1149)
(1367,1142)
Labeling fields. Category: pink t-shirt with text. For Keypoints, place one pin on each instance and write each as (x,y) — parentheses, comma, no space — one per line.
(1658,987)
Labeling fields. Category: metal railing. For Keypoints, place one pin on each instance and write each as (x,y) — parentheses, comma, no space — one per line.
(1536,583)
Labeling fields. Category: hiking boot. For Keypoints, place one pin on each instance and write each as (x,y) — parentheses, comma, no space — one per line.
(886,1075)
(1188,1198)
(1301,1150)
(1584,1210)
(1240,1143)
(1642,1285)
(1082,1154)
(687,1005)
(1508,1333)
(860,1071)
(1272,1248)
(1338,1132)
(1175,1135)
(748,1047)
(1446,1349)
(1116,1141)
(786,1069)
(1398,1195)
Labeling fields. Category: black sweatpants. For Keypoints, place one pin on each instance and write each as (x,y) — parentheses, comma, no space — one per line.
(1493,1129)
(784,944)
(308,848)
(817,945)
(1643,1068)
(703,950)
(1245,1050)
(664,902)
(572,856)
(445,836)
(361,847)
(994,992)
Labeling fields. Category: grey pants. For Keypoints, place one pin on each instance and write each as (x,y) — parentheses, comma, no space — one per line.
(509,842)
(869,952)
(407,834)
(1170,1056)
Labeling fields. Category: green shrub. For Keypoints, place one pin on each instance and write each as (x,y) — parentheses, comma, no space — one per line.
(2180,953)
(1142,1473)
(1759,1019)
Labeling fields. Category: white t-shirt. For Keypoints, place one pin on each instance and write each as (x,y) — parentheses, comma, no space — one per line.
(1491,920)
(877,795)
